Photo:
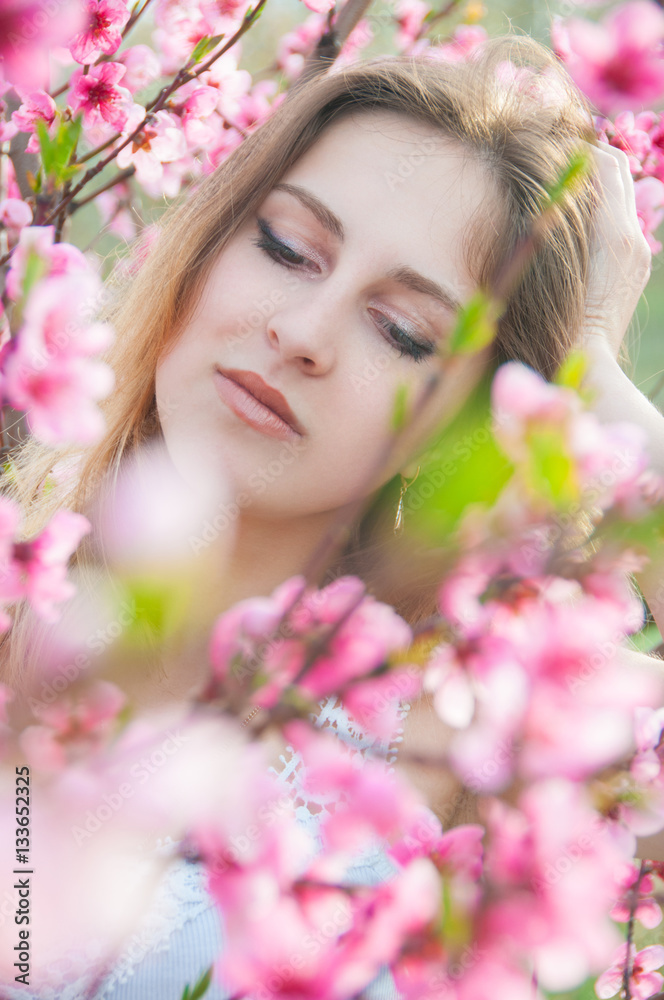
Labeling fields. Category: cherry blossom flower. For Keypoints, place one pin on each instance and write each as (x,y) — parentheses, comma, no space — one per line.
(410,15)
(37,569)
(69,728)
(142,67)
(649,193)
(159,142)
(618,61)
(15,215)
(98,97)
(646,911)
(295,44)
(36,106)
(103,32)
(47,368)
(644,981)
(56,258)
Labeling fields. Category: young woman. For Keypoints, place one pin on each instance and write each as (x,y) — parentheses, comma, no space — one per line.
(315,275)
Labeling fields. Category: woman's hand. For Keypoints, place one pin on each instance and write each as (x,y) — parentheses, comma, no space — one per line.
(620,255)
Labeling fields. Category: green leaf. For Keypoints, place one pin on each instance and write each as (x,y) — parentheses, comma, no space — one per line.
(201,987)
(160,606)
(203,47)
(463,466)
(400,409)
(577,167)
(475,326)
(57,152)
(35,269)
(551,467)
(572,371)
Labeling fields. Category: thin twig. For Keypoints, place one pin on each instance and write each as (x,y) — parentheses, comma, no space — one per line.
(330,43)
(122,175)
(183,76)
(633,903)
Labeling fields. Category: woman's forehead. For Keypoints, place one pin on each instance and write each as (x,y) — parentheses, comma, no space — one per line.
(399,185)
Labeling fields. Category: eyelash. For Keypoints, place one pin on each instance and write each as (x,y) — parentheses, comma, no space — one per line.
(284,255)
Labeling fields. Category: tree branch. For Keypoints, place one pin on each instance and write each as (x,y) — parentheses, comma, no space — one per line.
(331,42)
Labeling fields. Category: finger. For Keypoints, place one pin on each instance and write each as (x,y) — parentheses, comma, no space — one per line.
(621,158)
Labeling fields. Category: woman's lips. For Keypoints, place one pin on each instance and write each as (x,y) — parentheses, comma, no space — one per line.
(257,403)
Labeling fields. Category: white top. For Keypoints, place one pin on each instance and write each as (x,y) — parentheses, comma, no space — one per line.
(181,935)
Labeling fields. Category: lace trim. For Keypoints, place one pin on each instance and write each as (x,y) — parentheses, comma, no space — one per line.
(361,745)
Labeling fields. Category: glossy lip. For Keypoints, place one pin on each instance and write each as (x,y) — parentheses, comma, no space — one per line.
(260,405)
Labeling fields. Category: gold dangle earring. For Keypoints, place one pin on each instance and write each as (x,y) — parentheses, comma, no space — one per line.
(405,484)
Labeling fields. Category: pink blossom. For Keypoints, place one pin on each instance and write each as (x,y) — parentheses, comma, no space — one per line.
(647,764)
(649,193)
(37,106)
(148,519)
(103,32)
(141,65)
(319,6)
(646,911)
(159,142)
(42,562)
(15,215)
(28,35)
(98,97)
(617,62)
(56,258)
(117,213)
(295,44)
(70,727)
(410,15)
(644,982)
(257,105)
(466,38)
(47,368)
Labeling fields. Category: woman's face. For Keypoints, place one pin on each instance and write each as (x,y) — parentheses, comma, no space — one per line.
(324,306)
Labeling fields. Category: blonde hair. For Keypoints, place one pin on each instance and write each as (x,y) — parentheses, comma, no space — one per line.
(524,128)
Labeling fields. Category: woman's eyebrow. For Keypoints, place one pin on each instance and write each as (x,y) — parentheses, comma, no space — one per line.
(404,275)
(326,218)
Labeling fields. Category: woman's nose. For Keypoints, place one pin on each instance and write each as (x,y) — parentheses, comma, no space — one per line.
(303,331)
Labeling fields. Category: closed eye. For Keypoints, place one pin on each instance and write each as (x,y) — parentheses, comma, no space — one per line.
(285,255)
(276,249)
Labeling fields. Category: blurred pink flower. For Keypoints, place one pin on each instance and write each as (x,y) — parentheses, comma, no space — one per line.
(56,258)
(15,215)
(410,16)
(70,727)
(618,62)
(649,193)
(319,6)
(646,911)
(41,564)
(28,33)
(103,31)
(47,367)
(142,66)
(644,982)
